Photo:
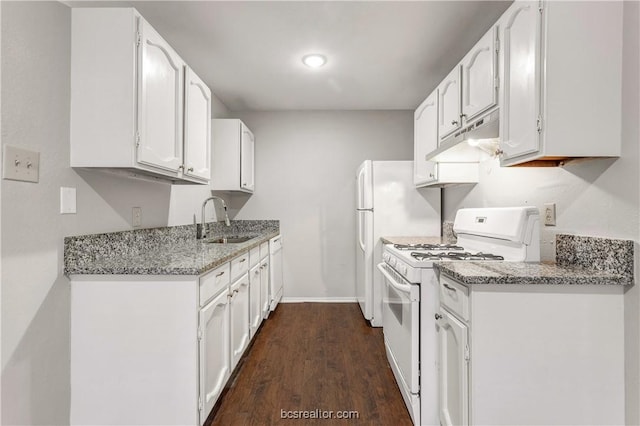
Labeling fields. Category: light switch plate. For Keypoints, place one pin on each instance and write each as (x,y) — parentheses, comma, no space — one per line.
(67,200)
(20,164)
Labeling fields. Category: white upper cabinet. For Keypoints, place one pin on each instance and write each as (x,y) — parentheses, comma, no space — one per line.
(247,159)
(479,77)
(128,94)
(561,81)
(425,139)
(197,127)
(160,110)
(449,112)
(425,133)
(233,156)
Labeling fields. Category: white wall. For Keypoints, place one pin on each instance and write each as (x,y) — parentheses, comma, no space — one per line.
(305,176)
(35,54)
(597,197)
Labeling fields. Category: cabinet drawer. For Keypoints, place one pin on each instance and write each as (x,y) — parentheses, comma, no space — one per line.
(264,249)
(215,281)
(239,265)
(455,297)
(254,256)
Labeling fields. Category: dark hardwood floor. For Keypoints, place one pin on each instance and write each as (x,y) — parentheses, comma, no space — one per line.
(313,356)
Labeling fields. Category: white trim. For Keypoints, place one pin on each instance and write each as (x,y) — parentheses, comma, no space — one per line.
(319,300)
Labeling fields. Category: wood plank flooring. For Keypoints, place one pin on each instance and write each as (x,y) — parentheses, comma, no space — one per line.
(313,356)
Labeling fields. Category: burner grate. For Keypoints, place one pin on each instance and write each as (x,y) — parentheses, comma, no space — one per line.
(428,247)
(453,255)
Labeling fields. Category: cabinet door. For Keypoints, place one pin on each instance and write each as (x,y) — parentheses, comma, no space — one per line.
(265,297)
(425,140)
(239,319)
(479,83)
(255,309)
(449,113)
(214,352)
(520,107)
(197,127)
(160,103)
(453,370)
(247,165)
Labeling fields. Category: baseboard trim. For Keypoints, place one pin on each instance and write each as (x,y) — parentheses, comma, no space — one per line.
(319,300)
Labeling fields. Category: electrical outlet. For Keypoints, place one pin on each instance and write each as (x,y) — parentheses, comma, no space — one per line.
(550,214)
(137,217)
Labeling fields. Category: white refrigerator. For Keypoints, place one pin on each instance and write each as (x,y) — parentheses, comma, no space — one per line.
(388,204)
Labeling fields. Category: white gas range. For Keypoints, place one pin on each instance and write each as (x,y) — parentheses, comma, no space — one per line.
(410,299)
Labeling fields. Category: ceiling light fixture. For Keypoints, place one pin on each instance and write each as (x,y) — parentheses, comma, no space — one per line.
(314,60)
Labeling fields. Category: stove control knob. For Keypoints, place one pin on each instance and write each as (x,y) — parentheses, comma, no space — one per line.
(438,316)
(385,257)
(403,270)
(392,262)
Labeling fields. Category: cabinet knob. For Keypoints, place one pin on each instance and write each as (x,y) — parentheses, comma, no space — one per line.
(499,152)
(454,122)
(190,169)
(181,167)
(431,175)
(438,316)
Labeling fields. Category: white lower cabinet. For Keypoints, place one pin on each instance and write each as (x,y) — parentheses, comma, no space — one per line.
(530,354)
(454,371)
(215,363)
(160,349)
(265,297)
(255,311)
(239,308)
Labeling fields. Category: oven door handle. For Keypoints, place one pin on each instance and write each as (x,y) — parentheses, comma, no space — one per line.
(405,288)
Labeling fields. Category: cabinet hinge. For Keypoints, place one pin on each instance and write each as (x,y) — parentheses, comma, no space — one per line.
(200,404)
(466,353)
(539,124)
(497,43)
(496,82)
(540,6)
(199,334)
(138,38)
(137,139)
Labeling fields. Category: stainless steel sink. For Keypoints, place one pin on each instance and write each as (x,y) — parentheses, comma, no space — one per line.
(230,240)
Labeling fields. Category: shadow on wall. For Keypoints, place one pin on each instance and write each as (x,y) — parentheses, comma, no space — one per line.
(235,202)
(40,364)
(122,193)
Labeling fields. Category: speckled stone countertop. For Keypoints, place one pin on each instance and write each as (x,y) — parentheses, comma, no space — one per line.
(579,260)
(161,251)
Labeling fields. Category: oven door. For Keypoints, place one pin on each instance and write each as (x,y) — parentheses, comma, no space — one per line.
(401,327)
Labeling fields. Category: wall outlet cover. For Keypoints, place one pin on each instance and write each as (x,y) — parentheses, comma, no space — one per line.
(549,214)
(67,200)
(136,214)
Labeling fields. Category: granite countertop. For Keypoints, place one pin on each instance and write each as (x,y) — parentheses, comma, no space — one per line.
(160,251)
(501,272)
(579,260)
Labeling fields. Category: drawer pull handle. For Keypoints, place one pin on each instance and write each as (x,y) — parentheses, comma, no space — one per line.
(438,316)
(244,259)
(448,287)
(219,274)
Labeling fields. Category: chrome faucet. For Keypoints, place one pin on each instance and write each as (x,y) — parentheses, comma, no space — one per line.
(201,233)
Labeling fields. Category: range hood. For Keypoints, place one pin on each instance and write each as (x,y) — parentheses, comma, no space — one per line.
(471,144)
